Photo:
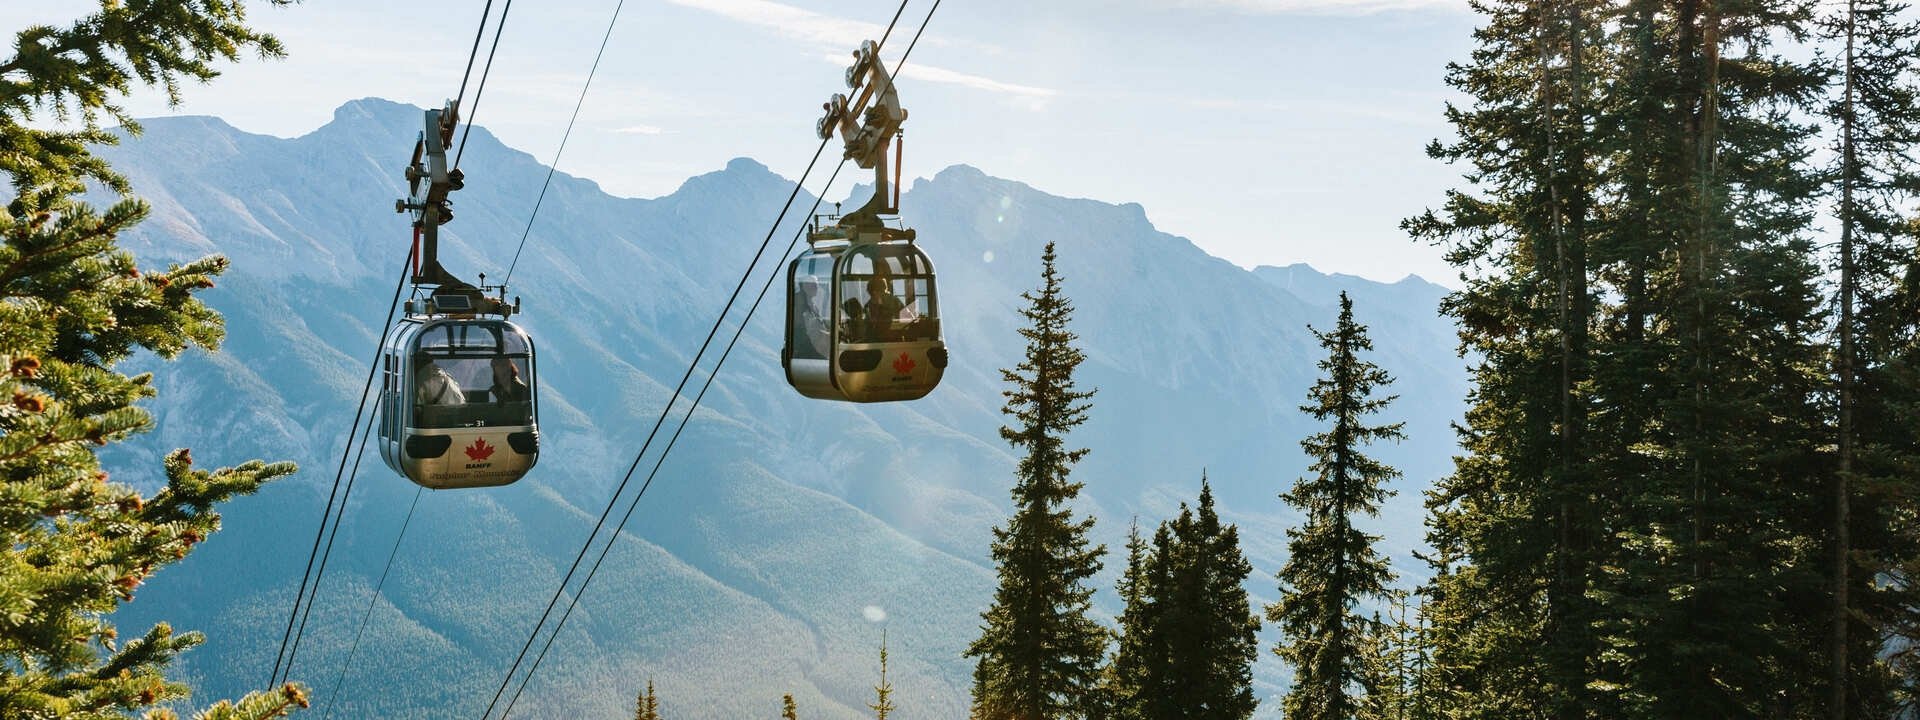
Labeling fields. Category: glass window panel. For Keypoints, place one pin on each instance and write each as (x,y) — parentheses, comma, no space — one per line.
(472,375)
(860,261)
(873,310)
(491,338)
(473,392)
(811,296)
(886,295)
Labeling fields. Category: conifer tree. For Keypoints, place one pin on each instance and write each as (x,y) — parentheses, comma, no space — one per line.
(73,305)
(1524,238)
(1208,623)
(1704,606)
(1889,464)
(1038,654)
(1382,696)
(1442,682)
(1877,121)
(882,704)
(788,711)
(1392,659)
(1419,658)
(1155,697)
(1186,641)
(647,705)
(1124,678)
(1331,566)
(1634,521)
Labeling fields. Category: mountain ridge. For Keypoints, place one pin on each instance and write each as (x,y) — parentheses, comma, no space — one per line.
(382,112)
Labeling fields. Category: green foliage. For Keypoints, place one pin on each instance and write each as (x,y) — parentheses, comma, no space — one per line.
(1639,524)
(1186,645)
(1874,183)
(79,72)
(73,306)
(1123,682)
(647,705)
(1380,674)
(1523,500)
(1712,372)
(882,704)
(1331,564)
(1038,653)
(1395,664)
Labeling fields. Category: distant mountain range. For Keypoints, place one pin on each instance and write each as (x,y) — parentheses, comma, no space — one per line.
(780,528)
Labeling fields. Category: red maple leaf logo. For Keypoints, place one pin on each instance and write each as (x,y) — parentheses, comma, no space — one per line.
(479,450)
(903,364)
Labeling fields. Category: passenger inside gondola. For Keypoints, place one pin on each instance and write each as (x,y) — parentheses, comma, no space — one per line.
(853,323)
(810,339)
(434,385)
(883,309)
(507,385)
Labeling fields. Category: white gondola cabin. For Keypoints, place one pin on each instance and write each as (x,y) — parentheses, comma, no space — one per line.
(863,323)
(459,402)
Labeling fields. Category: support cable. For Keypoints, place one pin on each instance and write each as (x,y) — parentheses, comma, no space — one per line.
(340,680)
(339,518)
(555,165)
(478,33)
(481,89)
(282,660)
(613,501)
(661,460)
(310,577)
(605,549)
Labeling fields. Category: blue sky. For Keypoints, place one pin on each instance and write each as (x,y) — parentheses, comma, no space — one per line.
(1267,131)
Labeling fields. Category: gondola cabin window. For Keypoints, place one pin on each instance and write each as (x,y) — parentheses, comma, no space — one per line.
(886,295)
(471,375)
(812,303)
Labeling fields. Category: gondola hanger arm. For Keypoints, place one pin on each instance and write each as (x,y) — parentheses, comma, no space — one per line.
(430,180)
(867,124)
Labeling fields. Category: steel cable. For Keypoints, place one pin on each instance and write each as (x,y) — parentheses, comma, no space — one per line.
(672,440)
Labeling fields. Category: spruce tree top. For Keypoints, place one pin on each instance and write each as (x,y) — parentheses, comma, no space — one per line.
(1042,401)
(1344,394)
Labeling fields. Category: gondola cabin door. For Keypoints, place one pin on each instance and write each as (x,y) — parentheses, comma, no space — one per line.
(459,403)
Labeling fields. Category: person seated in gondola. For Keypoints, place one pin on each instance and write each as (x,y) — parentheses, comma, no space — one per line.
(507,385)
(854,327)
(810,336)
(433,385)
(883,308)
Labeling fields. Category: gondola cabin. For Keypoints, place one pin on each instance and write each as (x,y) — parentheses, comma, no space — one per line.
(863,322)
(458,402)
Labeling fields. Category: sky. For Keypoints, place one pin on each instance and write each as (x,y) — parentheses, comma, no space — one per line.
(1268,132)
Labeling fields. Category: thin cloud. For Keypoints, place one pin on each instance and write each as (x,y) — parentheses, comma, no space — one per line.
(840,33)
(825,31)
(797,23)
(933,74)
(640,130)
(1035,96)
